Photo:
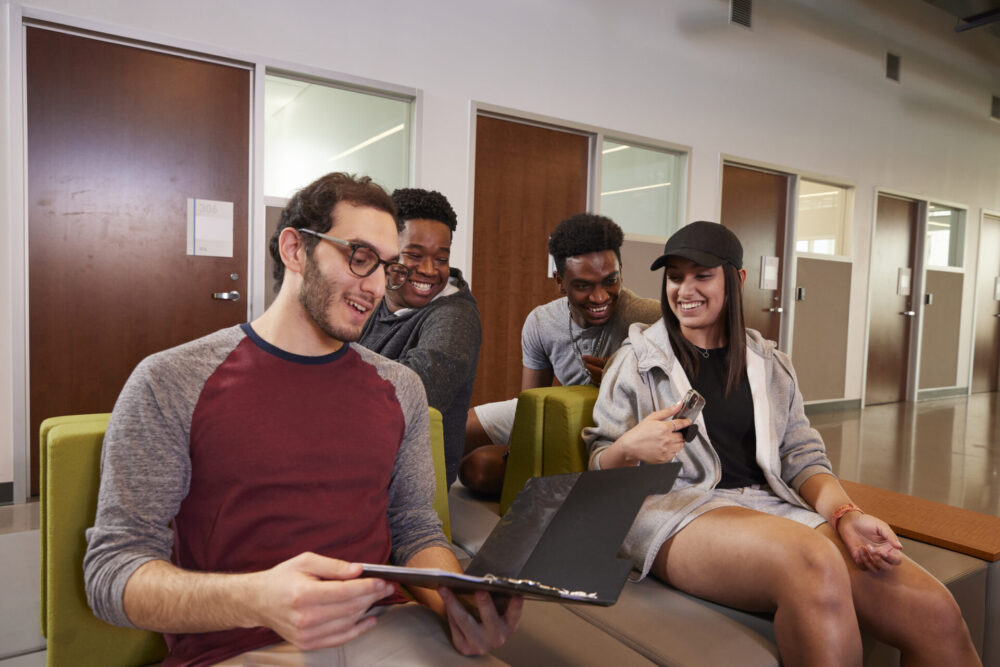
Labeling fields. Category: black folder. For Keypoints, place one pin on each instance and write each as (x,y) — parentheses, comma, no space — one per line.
(558,541)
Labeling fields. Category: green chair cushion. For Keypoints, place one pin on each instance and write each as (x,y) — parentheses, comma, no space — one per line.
(545,439)
(75,636)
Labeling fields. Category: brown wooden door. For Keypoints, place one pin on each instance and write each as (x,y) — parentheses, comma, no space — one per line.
(986,354)
(528,178)
(754,205)
(889,327)
(118,139)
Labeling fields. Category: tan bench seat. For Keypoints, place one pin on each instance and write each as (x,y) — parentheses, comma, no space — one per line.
(955,529)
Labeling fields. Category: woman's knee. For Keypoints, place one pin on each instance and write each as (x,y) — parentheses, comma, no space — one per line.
(939,612)
(816,574)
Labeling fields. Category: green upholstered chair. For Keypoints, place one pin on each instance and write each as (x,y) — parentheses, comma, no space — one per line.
(441,490)
(70,461)
(545,439)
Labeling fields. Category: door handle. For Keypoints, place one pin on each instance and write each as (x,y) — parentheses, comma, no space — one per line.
(226,296)
(909,313)
(775,310)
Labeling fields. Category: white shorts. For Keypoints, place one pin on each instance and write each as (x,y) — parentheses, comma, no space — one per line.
(497,420)
(756,497)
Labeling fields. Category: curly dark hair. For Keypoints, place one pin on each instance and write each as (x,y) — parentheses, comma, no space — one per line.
(312,206)
(417,203)
(584,233)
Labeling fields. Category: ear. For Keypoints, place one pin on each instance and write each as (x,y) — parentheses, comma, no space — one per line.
(743,277)
(559,281)
(292,250)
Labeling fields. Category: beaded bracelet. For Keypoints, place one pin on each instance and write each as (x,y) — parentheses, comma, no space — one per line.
(841,511)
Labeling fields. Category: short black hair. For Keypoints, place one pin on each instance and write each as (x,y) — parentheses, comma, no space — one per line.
(417,203)
(584,233)
(312,206)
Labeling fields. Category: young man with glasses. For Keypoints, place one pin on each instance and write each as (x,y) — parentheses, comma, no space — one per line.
(568,339)
(431,323)
(246,474)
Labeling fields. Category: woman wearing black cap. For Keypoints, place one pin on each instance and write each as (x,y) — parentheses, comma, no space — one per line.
(757,519)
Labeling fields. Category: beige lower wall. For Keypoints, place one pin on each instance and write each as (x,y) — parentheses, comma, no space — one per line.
(819,344)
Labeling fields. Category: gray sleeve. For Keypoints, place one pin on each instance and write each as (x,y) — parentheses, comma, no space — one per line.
(617,407)
(146,468)
(533,352)
(446,354)
(801,451)
(145,472)
(413,522)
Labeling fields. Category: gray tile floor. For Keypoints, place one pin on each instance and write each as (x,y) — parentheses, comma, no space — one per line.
(947,450)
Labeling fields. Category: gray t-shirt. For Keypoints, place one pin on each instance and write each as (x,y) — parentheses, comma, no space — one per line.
(546,336)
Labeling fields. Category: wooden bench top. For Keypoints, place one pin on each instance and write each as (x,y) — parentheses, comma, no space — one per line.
(953,528)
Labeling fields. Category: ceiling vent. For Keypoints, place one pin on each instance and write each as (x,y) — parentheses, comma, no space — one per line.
(892,64)
(740,11)
(995,112)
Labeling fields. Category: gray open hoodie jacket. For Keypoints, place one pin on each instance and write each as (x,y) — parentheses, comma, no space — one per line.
(645,376)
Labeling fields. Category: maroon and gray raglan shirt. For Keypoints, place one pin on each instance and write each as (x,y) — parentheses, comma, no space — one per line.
(227,454)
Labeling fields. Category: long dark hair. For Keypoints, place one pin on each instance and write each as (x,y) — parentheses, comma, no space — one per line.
(735,330)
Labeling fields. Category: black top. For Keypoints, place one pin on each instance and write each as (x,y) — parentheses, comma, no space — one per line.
(729,420)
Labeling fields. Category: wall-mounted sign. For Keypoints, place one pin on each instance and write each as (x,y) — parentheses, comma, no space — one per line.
(769,272)
(209,228)
(996,288)
(903,285)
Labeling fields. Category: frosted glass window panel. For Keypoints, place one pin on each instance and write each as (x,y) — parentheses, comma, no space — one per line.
(945,236)
(822,222)
(311,129)
(641,188)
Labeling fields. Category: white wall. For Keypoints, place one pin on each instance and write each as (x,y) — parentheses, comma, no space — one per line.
(804,90)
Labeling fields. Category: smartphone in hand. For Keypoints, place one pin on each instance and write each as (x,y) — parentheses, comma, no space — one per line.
(691,407)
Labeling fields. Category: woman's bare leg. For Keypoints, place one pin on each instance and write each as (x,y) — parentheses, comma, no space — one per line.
(908,608)
(754,561)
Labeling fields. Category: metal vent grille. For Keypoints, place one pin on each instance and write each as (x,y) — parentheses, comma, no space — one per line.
(995,112)
(892,65)
(740,12)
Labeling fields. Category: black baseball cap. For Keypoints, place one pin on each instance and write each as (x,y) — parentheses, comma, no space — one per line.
(705,243)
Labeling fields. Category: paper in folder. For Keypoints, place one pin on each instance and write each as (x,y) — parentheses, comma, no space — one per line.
(558,541)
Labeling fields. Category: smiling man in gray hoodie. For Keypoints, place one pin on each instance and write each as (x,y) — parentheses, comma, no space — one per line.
(431,324)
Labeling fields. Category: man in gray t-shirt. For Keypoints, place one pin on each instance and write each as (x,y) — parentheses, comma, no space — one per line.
(568,339)
(553,342)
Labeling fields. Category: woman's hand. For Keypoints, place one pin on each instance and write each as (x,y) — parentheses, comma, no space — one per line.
(656,439)
(870,541)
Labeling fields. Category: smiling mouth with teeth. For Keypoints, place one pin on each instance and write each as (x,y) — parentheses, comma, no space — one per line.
(691,305)
(357,306)
(421,287)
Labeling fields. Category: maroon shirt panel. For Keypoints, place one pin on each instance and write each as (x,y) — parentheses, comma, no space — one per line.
(288,454)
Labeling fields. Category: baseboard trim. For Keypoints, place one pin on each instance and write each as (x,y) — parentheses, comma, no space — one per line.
(943,392)
(832,406)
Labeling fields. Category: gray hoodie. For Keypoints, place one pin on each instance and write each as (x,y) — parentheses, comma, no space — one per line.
(646,376)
